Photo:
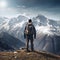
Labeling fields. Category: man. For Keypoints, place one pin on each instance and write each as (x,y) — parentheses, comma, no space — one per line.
(30,34)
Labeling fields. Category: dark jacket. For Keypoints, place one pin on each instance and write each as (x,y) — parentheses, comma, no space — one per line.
(34,31)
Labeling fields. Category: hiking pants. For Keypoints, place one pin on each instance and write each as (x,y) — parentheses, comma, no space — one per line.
(30,39)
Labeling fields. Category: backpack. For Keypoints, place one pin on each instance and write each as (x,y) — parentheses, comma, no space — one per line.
(29,29)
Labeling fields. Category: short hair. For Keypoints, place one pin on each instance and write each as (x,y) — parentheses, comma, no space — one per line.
(30,20)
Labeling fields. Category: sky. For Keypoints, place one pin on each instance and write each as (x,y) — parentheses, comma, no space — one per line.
(30,8)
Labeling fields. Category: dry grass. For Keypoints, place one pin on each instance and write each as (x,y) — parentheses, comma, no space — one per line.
(23,55)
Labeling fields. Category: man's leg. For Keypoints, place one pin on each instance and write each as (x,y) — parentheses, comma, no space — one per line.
(32,45)
(27,44)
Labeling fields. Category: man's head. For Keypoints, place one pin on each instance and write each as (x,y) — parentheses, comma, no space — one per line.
(30,21)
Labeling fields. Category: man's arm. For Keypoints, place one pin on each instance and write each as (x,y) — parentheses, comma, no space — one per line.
(24,33)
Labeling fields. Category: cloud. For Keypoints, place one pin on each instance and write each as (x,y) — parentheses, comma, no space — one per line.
(32,3)
(21,6)
(31,8)
(9,12)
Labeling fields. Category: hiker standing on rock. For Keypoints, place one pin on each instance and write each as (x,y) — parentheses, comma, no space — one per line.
(30,34)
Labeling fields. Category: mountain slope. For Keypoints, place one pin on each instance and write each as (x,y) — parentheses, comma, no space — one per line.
(5,47)
(8,42)
(49,43)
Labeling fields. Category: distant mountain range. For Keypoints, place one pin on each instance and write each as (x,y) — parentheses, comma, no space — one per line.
(48,31)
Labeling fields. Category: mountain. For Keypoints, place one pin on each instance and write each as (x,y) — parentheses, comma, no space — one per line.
(47,30)
(41,20)
(48,43)
(48,34)
(8,42)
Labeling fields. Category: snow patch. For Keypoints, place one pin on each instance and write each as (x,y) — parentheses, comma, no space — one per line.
(19,24)
(43,29)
